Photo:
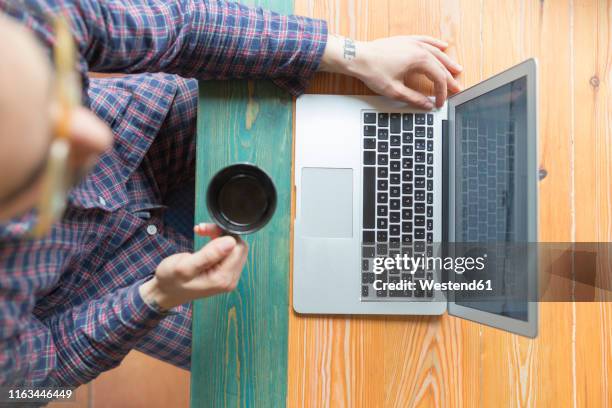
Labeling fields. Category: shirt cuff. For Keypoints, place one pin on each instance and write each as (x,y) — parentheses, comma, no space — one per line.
(138,312)
(313,38)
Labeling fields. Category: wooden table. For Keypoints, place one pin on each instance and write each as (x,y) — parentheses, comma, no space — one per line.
(251,349)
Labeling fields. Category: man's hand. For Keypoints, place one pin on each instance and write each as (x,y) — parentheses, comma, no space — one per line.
(214,269)
(385,64)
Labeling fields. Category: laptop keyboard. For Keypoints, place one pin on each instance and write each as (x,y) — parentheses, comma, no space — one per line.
(398,198)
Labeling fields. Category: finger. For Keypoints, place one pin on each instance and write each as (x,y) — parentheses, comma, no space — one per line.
(213,252)
(236,259)
(225,274)
(436,42)
(453,85)
(207,230)
(413,97)
(452,66)
(436,73)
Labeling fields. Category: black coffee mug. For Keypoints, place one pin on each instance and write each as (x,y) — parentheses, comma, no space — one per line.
(241,198)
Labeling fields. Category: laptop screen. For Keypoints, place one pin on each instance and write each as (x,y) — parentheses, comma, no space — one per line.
(491,187)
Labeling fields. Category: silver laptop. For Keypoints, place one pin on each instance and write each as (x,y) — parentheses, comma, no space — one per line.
(374,176)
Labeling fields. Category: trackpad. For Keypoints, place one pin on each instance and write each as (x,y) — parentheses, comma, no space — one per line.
(327,202)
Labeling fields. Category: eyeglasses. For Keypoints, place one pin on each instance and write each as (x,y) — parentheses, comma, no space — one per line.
(56,179)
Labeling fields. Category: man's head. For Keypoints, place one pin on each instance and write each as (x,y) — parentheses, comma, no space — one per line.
(27,120)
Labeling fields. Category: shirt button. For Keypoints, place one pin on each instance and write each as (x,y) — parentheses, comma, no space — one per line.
(151,229)
(101,200)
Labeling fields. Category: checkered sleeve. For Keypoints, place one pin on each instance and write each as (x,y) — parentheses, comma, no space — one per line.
(199,38)
(74,347)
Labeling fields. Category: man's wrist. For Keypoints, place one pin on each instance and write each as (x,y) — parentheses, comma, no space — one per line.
(154,297)
(341,55)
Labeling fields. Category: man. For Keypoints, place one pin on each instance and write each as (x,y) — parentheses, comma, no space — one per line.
(111,275)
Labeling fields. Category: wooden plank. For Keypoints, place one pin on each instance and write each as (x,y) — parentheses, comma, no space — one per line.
(460,24)
(333,361)
(141,381)
(239,353)
(592,136)
(435,351)
(520,371)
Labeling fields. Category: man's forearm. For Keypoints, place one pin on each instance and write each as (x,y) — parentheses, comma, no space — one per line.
(193,38)
(78,345)
(97,336)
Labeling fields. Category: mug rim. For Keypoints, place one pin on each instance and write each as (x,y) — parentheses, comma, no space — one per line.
(221,177)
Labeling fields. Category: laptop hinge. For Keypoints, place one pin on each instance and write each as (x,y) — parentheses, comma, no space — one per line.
(445,180)
(444,249)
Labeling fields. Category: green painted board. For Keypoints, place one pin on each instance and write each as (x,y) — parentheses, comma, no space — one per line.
(239,345)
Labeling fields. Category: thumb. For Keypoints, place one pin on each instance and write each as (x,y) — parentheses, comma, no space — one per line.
(213,252)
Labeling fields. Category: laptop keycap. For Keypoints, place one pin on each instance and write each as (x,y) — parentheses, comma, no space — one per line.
(395,123)
(383,119)
(369,130)
(369,117)
(369,157)
(407,121)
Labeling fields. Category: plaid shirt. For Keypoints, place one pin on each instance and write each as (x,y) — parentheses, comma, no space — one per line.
(69,303)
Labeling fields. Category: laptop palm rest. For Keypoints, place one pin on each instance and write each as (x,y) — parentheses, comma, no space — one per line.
(327,202)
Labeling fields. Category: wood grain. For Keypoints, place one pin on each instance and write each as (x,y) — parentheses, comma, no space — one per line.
(240,339)
(592,354)
(519,369)
(141,381)
(239,355)
(444,361)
